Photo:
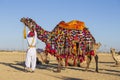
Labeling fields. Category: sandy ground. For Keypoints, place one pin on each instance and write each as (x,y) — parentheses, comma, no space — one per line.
(12,68)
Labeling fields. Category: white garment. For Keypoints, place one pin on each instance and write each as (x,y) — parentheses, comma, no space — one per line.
(30,61)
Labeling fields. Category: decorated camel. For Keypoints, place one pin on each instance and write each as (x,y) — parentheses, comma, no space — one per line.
(115,56)
(71,40)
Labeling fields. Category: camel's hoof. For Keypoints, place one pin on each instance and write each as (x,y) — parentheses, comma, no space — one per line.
(57,71)
(97,71)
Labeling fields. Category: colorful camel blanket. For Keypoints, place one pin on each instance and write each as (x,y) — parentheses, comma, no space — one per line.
(68,39)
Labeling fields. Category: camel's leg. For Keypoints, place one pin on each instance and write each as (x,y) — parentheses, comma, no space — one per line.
(59,65)
(66,62)
(47,58)
(62,64)
(96,60)
(88,61)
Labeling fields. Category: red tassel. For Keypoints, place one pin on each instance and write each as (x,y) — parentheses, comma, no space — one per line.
(92,52)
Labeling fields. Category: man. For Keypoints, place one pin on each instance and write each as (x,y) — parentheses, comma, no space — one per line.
(30,61)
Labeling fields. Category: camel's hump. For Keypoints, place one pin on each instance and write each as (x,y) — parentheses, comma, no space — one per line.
(74,24)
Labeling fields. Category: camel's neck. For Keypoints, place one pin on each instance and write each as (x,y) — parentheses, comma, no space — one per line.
(115,57)
(113,53)
(42,34)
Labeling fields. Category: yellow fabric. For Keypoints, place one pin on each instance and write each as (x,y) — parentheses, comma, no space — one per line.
(32,43)
(74,24)
(24,33)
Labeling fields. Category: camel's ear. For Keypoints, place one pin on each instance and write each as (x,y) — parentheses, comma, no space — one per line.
(30,20)
(34,22)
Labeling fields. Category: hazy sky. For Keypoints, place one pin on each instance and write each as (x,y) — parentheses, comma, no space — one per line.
(102,17)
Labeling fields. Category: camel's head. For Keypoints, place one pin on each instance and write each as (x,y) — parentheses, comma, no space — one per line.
(97,45)
(112,50)
(43,56)
(28,22)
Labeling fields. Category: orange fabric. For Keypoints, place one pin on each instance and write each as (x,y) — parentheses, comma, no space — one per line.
(74,24)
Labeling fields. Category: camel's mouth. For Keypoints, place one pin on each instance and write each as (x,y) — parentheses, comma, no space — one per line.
(111,51)
(22,19)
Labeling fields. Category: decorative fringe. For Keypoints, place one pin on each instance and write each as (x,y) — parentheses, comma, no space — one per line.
(24,32)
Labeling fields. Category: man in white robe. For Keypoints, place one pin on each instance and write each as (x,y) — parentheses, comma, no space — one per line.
(30,61)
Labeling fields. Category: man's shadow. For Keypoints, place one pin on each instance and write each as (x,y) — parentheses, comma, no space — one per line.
(17,65)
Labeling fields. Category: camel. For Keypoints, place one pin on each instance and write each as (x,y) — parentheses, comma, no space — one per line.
(67,41)
(115,56)
(42,57)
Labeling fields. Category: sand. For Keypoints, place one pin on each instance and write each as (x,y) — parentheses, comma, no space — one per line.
(12,68)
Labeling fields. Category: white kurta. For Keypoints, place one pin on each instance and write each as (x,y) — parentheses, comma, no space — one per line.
(30,61)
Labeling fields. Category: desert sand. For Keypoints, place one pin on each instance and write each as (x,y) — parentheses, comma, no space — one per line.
(12,68)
